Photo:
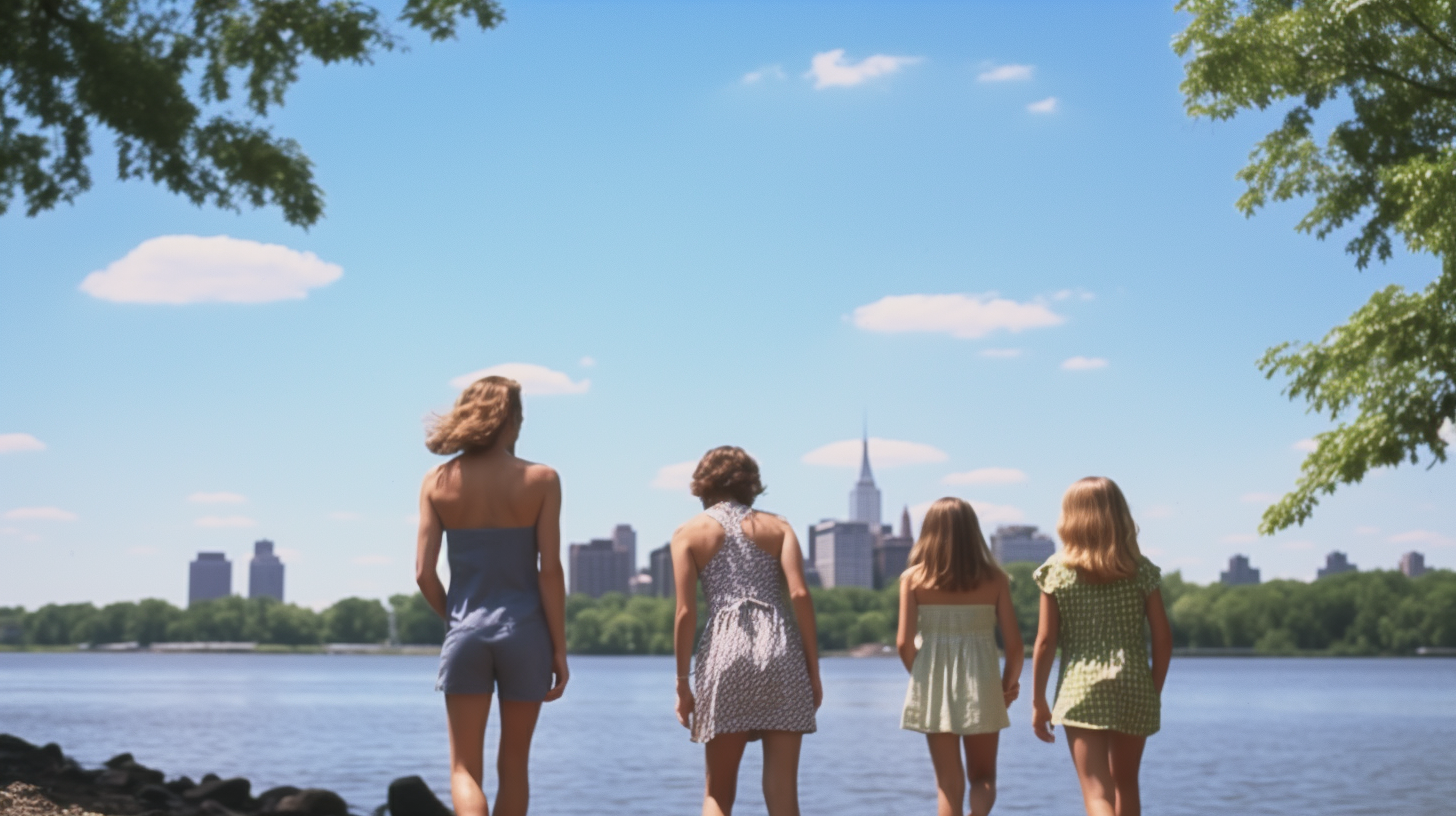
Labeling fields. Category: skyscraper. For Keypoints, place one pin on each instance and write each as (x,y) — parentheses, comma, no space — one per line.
(1239,572)
(892,553)
(209,577)
(1336,563)
(265,572)
(1020,542)
(864,499)
(1413,564)
(844,554)
(660,565)
(604,564)
(624,541)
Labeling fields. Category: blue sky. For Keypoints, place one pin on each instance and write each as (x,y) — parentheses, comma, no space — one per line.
(702,240)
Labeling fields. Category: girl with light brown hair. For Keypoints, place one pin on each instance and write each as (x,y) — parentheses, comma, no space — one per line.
(506,605)
(953,596)
(1097,596)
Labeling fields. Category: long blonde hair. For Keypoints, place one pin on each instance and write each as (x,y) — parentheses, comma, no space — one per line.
(951,553)
(1098,534)
(479,416)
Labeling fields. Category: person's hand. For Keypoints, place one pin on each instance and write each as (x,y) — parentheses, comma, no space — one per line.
(562,674)
(1011,692)
(1041,721)
(685,702)
(818,687)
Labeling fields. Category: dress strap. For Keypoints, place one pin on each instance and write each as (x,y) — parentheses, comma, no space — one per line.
(731,515)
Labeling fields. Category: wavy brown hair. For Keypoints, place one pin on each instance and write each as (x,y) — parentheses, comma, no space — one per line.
(951,552)
(727,471)
(479,415)
(1098,534)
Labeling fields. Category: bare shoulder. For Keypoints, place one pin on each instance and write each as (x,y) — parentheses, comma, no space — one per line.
(539,475)
(773,521)
(701,527)
(432,476)
(910,579)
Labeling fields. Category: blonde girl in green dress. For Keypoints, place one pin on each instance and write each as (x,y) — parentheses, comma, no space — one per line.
(952,598)
(1096,595)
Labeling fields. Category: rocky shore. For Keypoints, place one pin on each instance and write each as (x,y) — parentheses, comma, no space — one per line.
(43,781)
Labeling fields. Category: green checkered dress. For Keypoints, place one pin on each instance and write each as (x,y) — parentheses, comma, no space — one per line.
(1105,680)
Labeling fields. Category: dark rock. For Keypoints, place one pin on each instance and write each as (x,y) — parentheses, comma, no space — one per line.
(50,754)
(314,802)
(114,778)
(212,807)
(410,796)
(73,774)
(181,784)
(15,747)
(268,800)
(156,796)
(230,793)
(212,777)
(120,761)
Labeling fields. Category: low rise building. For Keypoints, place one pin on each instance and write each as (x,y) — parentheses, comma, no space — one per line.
(209,577)
(1020,542)
(1335,564)
(1413,564)
(1239,573)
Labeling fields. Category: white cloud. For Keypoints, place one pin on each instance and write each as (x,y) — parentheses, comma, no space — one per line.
(988,513)
(1068,294)
(535,380)
(959,315)
(177,269)
(17,442)
(225,521)
(1259,498)
(1158,511)
(1299,544)
(288,555)
(1001,354)
(1305,445)
(141,552)
(1447,431)
(373,560)
(829,69)
(1083,363)
(1048,105)
(587,362)
(40,514)
(1006,73)
(884,453)
(222,497)
(677,476)
(1366,529)
(1422,537)
(1238,538)
(343,515)
(766,72)
(984,476)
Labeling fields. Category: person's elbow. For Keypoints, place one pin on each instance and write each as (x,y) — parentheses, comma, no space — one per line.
(552,570)
(800,594)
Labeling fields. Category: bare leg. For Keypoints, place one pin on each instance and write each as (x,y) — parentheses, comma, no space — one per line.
(950,779)
(723,753)
(1125,757)
(781,772)
(518,725)
(467,714)
(981,770)
(1090,754)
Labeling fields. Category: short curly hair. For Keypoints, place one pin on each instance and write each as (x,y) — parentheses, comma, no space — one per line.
(727,472)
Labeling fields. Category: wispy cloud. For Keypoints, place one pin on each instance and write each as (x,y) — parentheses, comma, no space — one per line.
(1083,363)
(19,442)
(1259,498)
(141,552)
(959,315)
(1071,294)
(1366,529)
(884,453)
(1238,538)
(987,512)
(985,476)
(180,269)
(40,514)
(215,522)
(1006,73)
(829,69)
(1002,353)
(767,72)
(1297,544)
(1422,537)
(587,362)
(344,515)
(677,477)
(1305,446)
(1048,105)
(221,497)
(534,379)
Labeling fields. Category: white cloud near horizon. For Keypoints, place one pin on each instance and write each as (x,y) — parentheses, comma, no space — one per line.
(986,512)
(1002,353)
(1422,537)
(372,560)
(141,552)
(535,380)
(676,477)
(587,362)
(1068,294)
(1259,498)
(18,442)
(761,74)
(182,269)
(1238,538)
(1080,363)
(884,453)
(1299,544)
(40,514)
(962,316)
(1048,105)
(220,497)
(1006,73)
(220,522)
(985,476)
(1366,529)
(1305,446)
(344,515)
(830,70)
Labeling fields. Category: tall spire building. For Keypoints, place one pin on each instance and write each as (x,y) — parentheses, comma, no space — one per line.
(864,499)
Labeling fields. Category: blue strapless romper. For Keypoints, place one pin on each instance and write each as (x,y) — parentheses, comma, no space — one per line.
(497,632)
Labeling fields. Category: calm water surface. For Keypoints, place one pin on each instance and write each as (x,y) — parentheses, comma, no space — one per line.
(1249,736)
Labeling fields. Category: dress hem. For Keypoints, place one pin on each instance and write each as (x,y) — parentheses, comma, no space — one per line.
(1091,727)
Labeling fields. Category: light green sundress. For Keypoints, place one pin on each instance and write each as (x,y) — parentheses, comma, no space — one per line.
(1105,681)
(955,682)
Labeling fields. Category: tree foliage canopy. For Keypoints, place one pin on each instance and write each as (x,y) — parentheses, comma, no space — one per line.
(1386,172)
(159,75)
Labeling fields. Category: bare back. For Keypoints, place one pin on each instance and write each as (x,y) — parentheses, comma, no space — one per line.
(988,591)
(493,489)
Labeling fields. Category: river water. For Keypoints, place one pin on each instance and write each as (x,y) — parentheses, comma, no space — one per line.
(1240,735)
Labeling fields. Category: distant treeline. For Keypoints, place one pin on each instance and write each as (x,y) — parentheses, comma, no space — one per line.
(1361,613)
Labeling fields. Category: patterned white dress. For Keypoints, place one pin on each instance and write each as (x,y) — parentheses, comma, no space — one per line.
(750,673)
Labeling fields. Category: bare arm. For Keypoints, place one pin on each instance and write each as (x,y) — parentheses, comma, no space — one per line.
(1011,636)
(792,561)
(909,622)
(1162,638)
(552,582)
(427,551)
(1043,654)
(685,621)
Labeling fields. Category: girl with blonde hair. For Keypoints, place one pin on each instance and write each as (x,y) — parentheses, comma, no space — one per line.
(953,596)
(506,605)
(1097,594)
